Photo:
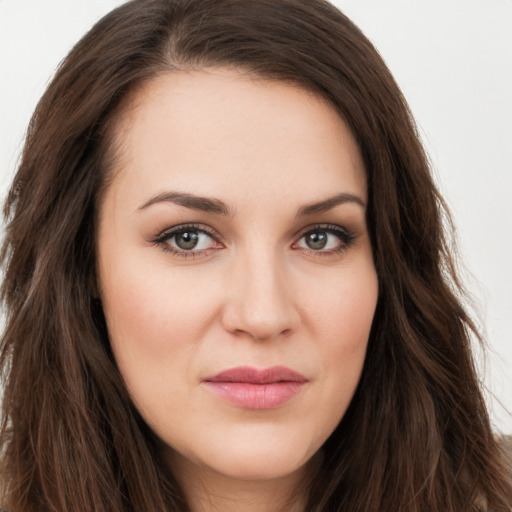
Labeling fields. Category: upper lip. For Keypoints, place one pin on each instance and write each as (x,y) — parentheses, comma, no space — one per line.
(251,375)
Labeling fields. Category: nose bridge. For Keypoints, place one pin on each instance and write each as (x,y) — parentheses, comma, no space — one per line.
(260,303)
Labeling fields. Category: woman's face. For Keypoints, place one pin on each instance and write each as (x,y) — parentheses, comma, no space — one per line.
(236,270)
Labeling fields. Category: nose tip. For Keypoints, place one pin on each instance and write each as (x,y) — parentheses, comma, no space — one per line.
(259,330)
(260,305)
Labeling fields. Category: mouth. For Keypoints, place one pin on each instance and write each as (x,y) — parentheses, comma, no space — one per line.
(252,388)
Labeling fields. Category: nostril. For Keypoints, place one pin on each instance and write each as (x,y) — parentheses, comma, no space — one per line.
(283,334)
(258,303)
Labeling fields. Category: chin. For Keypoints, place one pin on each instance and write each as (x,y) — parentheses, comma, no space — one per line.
(260,465)
(249,459)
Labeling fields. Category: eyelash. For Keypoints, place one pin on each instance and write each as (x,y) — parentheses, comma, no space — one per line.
(166,236)
(345,237)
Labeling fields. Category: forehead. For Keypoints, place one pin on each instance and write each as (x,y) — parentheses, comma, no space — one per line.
(217,131)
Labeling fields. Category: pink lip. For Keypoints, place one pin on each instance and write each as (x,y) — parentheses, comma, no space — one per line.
(251,388)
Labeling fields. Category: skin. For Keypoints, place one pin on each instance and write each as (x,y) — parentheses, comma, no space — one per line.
(255,293)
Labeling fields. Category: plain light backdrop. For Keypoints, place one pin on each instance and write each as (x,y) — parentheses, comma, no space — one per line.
(453,61)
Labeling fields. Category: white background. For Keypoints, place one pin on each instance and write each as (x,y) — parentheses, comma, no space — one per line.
(453,61)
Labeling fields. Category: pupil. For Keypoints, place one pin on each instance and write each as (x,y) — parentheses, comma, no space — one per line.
(187,240)
(316,240)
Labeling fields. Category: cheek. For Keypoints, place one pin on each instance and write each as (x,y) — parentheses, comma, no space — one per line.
(340,310)
(343,315)
(141,297)
(156,320)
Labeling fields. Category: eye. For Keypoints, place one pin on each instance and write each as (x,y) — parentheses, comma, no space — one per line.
(190,239)
(186,241)
(325,239)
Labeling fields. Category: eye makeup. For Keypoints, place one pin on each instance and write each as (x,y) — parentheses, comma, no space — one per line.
(325,240)
(189,241)
(193,241)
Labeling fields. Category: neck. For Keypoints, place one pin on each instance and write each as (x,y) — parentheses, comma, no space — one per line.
(208,491)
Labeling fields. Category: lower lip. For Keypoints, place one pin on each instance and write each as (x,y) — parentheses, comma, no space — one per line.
(256,396)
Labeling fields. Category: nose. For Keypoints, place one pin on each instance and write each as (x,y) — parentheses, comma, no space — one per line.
(260,303)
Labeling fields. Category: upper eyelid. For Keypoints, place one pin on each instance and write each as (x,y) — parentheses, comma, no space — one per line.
(169,232)
(325,227)
(322,226)
(213,233)
(346,236)
(163,240)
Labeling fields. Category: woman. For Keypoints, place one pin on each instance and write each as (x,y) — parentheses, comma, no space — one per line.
(227,284)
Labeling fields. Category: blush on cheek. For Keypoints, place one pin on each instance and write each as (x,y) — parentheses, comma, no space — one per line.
(174,319)
(346,314)
(149,323)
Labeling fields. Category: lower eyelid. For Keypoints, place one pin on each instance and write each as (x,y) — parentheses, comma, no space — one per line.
(184,254)
(174,231)
(164,240)
(345,237)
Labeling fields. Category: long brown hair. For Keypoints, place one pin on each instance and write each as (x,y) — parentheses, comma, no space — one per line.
(416,436)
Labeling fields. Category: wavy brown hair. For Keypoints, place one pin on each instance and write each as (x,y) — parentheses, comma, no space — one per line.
(416,436)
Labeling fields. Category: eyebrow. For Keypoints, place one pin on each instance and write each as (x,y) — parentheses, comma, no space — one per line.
(329,203)
(192,201)
(212,205)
